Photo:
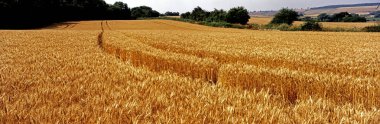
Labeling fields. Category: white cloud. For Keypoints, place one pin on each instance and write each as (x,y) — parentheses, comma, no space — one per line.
(252,5)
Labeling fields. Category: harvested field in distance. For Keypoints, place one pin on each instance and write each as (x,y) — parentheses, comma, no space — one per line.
(362,10)
(161,71)
(267,20)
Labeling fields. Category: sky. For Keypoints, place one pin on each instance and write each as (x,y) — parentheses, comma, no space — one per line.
(252,5)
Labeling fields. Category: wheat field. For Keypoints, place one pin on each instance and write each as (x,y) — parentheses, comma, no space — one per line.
(161,71)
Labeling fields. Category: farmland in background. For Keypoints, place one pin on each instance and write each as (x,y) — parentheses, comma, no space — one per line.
(267,20)
(361,8)
(163,71)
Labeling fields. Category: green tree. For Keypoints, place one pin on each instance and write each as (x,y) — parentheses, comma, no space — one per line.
(324,17)
(338,17)
(238,15)
(354,18)
(186,15)
(217,16)
(287,16)
(144,11)
(154,13)
(311,26)
(38,13)
(198,14)
(171,13)
(120,10)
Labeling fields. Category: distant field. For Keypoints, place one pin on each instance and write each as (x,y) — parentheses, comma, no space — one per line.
(357,10)
(314,12)
(161,71)
(266,20)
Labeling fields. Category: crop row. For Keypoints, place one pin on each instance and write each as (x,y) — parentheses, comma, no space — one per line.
(301,55)
(291,84)
(59,76)
(157,60)
(294,85)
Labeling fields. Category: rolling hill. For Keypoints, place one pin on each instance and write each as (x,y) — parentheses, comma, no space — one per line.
(361,9)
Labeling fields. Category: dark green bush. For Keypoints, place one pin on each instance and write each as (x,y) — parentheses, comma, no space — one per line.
(374,28)
(235,15)
(354,19)
(341,17)
(308,19)
(287,16)
(254,26)
(238,15)
(283,27)
(185,15)
(217,16)
(324,17)
(294,28)
(171,13)
(270,26)
(144,12)
(198,14)
(311,26)
(338,17)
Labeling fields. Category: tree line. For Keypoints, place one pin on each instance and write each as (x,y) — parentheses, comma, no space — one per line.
(38,13)
(341,17)
(288,16)
(234,15)
(171,14)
